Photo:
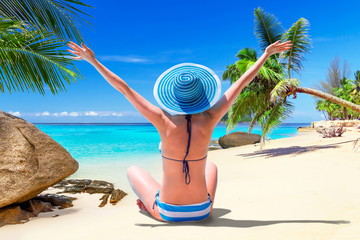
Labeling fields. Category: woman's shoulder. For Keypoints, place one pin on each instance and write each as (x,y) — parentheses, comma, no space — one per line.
(202,118)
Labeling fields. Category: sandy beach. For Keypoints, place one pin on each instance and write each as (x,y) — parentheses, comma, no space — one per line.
(304,187)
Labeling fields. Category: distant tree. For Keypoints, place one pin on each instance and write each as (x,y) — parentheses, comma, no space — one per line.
(344,92)
(334,76)
(334,80)
(335,111)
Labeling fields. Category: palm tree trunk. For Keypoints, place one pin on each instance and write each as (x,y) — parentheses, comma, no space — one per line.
(329,97)
(345,113)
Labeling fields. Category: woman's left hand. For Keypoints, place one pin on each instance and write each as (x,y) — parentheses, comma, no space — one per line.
(278,47)
(82,52)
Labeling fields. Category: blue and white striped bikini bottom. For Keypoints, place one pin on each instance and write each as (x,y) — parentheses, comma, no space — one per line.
(183,213)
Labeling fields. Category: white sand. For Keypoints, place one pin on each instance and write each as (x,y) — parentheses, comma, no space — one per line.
(303,187)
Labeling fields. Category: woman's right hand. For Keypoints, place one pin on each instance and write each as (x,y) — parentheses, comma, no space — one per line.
(82,52)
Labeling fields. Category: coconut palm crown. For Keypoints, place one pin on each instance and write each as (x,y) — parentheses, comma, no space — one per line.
(254,100)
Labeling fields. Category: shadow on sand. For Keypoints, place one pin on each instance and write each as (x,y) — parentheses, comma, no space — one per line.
(295,150)
(216,220)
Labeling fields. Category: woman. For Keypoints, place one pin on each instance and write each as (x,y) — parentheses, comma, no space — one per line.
(188,186)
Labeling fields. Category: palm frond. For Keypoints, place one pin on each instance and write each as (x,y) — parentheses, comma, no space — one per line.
(298,34)
(61,17)
(232,73)
(8,25)
(273,117)
(247,103)
(255,119)
(265,72)
(238,110)
(270,71)
(247,54)
(30,62)
(267,28)
(283,89)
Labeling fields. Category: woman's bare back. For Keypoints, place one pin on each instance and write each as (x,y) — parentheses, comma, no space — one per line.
(174,139)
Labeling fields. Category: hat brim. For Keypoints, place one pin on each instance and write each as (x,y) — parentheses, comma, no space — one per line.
(164,91)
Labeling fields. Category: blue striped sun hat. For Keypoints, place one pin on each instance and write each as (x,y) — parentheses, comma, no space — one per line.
(187,88)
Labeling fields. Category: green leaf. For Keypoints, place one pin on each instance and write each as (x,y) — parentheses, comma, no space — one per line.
(232,73)
(274,117)
(28,61)
(298,34)
(267,28)
(61,17)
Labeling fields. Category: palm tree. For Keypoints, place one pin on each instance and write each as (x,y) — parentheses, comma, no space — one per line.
(32,36)
(334,80)
(250,101)
(285,89)
(265,98)
(254,100)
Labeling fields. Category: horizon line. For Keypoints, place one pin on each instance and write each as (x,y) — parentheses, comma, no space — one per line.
(132,122)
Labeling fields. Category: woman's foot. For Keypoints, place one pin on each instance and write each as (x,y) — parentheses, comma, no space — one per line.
(141,205)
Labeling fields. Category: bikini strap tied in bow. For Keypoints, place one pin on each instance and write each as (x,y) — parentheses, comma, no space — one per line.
(185,163)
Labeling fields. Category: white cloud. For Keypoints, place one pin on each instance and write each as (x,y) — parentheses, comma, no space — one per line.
(46,113)
(128,59)
(103,113)
(18,114)
(91,113)
(107,114)
(117,114)
(174,55)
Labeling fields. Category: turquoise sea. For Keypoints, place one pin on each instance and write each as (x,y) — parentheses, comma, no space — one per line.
(110,143)
(105,151)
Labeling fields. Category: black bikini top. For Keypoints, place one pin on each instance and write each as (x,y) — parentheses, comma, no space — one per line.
(184,161)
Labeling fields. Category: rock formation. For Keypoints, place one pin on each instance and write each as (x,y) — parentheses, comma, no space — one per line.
(15,214)
(336,123)
(116,196)
(30,160)
(238,139)
(92,187)
(20,213)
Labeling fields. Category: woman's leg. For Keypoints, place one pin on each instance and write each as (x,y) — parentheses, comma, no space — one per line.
(145,187)
(211,181)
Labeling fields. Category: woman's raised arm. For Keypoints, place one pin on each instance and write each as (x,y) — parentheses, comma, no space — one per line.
(223,105)
(152,113)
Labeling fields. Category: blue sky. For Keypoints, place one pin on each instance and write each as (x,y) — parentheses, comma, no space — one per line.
(138,40)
